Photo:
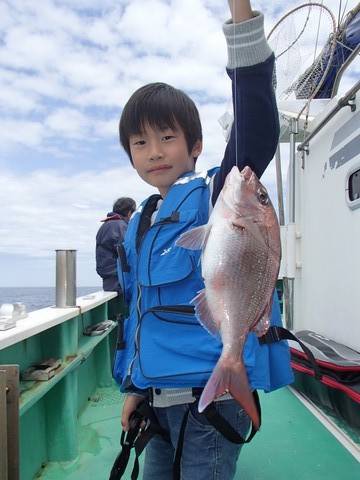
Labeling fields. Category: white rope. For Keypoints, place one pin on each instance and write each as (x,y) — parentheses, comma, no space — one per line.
(343,14)
(339,13)
(307,110)
(318,31)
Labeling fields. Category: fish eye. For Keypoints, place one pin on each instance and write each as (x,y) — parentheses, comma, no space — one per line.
(263,196)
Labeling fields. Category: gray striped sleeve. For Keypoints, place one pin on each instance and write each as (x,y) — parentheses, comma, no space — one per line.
(246,42)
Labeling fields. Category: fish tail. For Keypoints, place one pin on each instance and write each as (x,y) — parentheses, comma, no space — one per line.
(230,376)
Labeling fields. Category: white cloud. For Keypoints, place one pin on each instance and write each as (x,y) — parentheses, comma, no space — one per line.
(17,132)
(213,139)
(108,128)
(49,210)
(68,122)
(16,101)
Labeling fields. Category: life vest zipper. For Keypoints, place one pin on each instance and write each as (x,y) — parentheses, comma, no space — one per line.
(138,311)
(138,301)
(185,309)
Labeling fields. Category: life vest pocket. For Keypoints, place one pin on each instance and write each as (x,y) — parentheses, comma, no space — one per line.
(161,262)
(172,343)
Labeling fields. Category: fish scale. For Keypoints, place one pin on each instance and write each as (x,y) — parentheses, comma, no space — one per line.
(238,273)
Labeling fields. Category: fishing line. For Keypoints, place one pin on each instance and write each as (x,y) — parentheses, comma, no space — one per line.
(235,92)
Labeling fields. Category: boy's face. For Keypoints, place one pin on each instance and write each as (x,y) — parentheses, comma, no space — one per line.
(161,156)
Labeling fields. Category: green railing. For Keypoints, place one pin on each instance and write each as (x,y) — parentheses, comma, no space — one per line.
(49,410)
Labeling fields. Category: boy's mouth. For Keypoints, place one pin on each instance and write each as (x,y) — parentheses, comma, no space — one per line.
(159,168)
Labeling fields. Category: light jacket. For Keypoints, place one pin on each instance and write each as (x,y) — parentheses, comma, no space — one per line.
(110,234)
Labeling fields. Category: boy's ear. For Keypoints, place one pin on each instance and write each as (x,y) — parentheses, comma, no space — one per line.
(197,149)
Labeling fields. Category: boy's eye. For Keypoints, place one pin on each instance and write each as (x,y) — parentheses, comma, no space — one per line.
(168,137)
(139,142)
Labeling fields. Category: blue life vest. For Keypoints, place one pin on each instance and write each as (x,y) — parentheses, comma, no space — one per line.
(165,345)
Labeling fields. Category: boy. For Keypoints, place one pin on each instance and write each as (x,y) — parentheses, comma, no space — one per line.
(168,355)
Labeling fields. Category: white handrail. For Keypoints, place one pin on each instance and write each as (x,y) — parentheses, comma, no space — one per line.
(40,320)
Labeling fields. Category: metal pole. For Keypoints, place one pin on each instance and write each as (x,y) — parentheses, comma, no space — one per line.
(280,193)
(279,186)
(65,278)
(9,422)
(294,130)
(289,299)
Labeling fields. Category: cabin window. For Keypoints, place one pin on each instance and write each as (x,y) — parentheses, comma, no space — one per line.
(354,186)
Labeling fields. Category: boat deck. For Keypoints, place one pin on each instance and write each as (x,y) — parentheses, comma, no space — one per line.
(292,444)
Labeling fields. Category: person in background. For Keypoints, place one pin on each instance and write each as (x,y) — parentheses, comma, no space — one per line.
(110,235)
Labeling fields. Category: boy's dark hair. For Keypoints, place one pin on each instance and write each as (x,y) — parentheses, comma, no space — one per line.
(162,106)
(124,205)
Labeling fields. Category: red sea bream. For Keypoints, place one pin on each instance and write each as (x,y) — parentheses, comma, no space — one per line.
(240,264)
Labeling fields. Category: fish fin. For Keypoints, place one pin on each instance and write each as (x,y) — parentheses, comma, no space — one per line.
(230,376)
(262,326)
(194,239)
(203,313)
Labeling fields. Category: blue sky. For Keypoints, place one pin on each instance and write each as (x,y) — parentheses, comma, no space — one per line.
(66,70)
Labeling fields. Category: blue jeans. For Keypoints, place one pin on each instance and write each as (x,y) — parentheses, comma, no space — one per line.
(207,454)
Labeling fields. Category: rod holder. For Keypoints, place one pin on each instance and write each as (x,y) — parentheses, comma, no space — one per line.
(65,278)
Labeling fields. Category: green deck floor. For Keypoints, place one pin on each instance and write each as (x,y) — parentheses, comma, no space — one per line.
(292,444)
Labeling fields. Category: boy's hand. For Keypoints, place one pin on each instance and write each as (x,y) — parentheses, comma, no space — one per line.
(130,404)
(240,10)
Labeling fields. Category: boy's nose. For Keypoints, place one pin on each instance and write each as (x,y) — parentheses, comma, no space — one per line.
(155,151)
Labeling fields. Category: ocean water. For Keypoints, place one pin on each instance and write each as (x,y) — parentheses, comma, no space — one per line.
(35,298)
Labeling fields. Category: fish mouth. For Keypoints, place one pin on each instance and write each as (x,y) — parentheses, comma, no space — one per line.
(247,174)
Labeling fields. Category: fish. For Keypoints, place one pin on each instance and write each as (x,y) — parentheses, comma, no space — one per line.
(240,261)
